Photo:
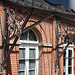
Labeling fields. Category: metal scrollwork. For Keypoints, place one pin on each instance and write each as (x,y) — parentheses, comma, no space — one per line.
(14,21)
(66,33)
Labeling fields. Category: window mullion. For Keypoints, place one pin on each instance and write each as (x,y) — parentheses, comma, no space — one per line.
(66,62)
(27,61)
(72,62)
(36,63)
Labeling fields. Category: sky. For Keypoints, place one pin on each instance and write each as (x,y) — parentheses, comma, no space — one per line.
(67,3)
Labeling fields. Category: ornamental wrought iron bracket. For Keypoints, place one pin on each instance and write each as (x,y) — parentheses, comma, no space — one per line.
(15,25)
(14,22)
(65,34)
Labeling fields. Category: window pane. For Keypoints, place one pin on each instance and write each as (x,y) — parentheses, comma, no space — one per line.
(64,62)
(21,53)
(70,70)
(64,57)
(64,69)
(32,36)
(21,65)
(64,73)
(31,53)
(24,36)
(31,72)
(70,53)
(70,62)
(64,54)
(31,64)
(21,73)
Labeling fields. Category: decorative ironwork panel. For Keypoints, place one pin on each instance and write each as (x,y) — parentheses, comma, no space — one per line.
(66,33)
(14,22)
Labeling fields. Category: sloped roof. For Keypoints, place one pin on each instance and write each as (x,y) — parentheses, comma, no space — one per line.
(43,6)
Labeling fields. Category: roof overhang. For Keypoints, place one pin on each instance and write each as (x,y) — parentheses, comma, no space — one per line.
(41,7)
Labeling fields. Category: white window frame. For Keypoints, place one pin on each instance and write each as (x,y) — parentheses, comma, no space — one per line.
(30,44)
(67,60)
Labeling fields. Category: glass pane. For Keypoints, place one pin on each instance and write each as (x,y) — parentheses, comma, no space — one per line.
(31,64)
(64,62)
(21,65)
(70,53)
(21,73)
(64,73)
(24,36)
(21,53)
(64,57)
(32,36)
(70,70)
(64,54)
(32,72)
(31,53)
(64,70)
(70,62)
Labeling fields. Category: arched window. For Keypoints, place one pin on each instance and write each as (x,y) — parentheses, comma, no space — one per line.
(29,36)
(28,54)
(68,61)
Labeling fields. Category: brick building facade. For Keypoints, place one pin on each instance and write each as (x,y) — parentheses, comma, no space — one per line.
(35,51)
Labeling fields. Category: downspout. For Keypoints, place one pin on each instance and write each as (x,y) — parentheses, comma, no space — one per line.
(56,44)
